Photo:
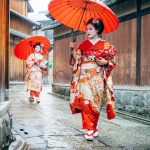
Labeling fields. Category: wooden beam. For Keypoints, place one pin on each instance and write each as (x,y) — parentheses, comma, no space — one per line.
(116,3)
(145,11)
(135,14)
(127,17)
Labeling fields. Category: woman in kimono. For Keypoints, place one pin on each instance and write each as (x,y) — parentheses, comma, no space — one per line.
(34,72)
(91,84)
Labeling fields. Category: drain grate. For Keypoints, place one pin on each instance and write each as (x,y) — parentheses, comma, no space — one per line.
(25,131)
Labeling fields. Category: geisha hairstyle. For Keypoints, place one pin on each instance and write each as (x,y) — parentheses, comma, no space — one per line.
(97,23)
(37,43)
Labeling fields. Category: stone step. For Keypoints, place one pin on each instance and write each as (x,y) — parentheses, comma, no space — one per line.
(27,138)
(18,144)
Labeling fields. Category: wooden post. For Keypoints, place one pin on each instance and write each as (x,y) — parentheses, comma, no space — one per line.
(138,47)
(7,46)
(4,46)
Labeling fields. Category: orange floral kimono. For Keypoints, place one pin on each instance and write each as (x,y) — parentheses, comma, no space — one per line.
(33,80)
(91,84)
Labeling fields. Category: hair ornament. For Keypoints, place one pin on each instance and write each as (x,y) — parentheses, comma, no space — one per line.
(95,20)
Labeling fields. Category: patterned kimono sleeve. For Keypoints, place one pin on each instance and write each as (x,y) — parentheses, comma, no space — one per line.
(29,64)
(109,92)
(46,67)
(74,87)
(78,52)
(29,61)
(76,69)
(111,61)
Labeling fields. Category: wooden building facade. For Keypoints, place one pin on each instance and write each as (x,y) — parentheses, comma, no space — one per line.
(4,42)
(20,27)
(131,39)
(131,77)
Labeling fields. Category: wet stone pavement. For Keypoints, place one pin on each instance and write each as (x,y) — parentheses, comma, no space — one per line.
(50,125)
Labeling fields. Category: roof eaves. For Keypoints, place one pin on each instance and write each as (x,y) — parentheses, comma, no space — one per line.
(13,12)
(18,34)
(52,26)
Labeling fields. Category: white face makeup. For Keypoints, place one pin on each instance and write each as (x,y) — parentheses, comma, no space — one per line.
(91,32)
(37,48)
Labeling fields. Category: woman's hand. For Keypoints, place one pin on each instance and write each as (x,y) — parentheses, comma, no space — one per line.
(72,45)
(101,61)
(35,62)
(74,52)
(44,68)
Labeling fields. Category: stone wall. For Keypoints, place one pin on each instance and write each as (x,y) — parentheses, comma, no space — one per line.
(61,89)
(135,100)
(6,135)
(130,99)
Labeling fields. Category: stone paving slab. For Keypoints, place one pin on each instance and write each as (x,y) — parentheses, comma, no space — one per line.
(36,143)
(61,130)
(25,131)
(66,142)
(18,144)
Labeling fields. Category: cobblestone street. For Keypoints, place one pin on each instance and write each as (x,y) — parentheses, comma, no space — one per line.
(50,125)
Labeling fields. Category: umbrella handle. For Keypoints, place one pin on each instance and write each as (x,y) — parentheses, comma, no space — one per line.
(73,39)
(73,36)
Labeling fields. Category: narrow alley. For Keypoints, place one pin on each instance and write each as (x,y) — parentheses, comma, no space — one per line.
(50,125)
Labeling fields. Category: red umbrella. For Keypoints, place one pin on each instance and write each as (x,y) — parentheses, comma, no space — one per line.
(75,13)
(25,47)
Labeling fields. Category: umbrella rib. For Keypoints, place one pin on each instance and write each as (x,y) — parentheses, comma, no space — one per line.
(74,14)
(108,21)
(56,10)
(83,14)
(78,20)
(60,13)
(51,5)
(85,19)
(20,50)
(21,55)
(112,16)
(87,12)
(62,4)
(91,10)
(25,53)
(67,15)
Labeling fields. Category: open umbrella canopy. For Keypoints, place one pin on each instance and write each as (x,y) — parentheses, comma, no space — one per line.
(25,47)
(76,13)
